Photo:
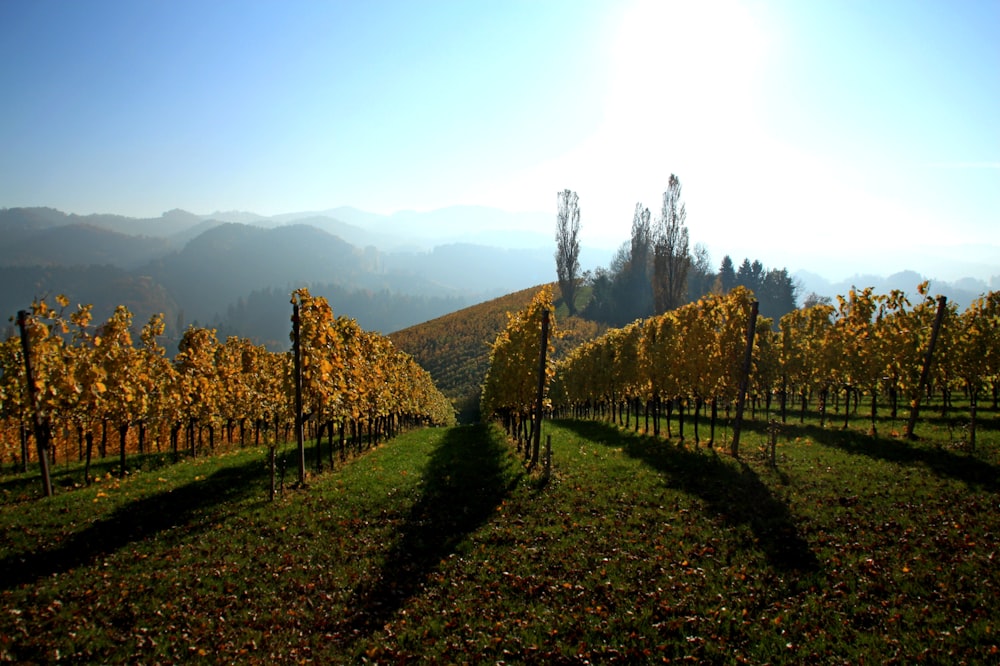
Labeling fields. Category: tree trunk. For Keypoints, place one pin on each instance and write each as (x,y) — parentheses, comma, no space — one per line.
(715,414)
(670,410)
(24,449)
(41,436)
(175,435)
(911,423)
(271,468)
(784,398)
(822,406)
(329,440)
(847,405)
(874,409)
(122,436)
(697,408)
(972,422)
(89,437)
(744,379)
(319,447)
(297,377)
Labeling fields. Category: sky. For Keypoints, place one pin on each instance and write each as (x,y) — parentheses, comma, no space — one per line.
(839,136)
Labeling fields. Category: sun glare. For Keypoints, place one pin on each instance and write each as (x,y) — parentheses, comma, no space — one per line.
(684,60)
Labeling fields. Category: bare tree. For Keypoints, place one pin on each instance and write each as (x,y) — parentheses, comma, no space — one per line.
(568,247)
(671,258)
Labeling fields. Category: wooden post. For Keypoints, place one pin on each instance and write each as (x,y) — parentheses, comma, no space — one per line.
(925,371)
(536,435)
(548,456)
(772,432)
(297,363)
(744,380)
(271,466)
(41,432)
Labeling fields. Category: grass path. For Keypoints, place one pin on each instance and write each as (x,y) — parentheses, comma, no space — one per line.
(440,547)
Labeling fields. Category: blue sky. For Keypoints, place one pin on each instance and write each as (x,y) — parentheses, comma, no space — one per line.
(841,135)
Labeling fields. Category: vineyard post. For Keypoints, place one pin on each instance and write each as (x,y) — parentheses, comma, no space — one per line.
(536,435)
(744,380)
(297,363)
(548,456)
(41,433)
(926,369)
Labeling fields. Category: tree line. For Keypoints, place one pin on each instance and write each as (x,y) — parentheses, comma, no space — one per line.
(657,270)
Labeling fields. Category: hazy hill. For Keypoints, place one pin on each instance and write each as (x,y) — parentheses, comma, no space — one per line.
(476,225)
(961,292)
(80,245)
(105,287)
(231,260)
(170,223)
(234,270)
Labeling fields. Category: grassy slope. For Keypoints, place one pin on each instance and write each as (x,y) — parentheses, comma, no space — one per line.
(455,350)
(438,545)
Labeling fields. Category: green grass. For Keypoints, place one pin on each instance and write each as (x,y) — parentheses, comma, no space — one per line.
(439,546)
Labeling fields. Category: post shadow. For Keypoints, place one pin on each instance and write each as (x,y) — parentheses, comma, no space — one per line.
(737,495)
(973,471)
(134,522)
(467,478)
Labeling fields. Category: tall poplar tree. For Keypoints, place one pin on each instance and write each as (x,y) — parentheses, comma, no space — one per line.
(568,247)
(671,258)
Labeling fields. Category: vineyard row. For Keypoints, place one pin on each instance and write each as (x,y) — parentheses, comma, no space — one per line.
(868,345)
(87,379)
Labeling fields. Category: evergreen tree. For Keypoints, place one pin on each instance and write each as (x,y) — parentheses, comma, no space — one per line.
(727,274)
(777,295)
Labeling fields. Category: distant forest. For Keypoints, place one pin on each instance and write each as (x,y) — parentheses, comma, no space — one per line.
(623,292)
(654,271)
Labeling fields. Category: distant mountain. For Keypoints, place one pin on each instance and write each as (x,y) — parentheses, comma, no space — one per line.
(234,269)
(409,230)
(217,269)
(231,260)
(80,245)
(104,287)
(961,292)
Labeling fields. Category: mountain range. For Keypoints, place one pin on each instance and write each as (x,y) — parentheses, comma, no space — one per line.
(235,270)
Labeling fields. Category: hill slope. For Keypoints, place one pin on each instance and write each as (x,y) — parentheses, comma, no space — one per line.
(455,348)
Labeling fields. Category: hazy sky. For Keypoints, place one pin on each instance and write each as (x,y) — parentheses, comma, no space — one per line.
(855,132)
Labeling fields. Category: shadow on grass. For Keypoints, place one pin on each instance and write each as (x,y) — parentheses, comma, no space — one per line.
(133,522)
(468,476)
(736,494)
(967,468)
(27,486)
